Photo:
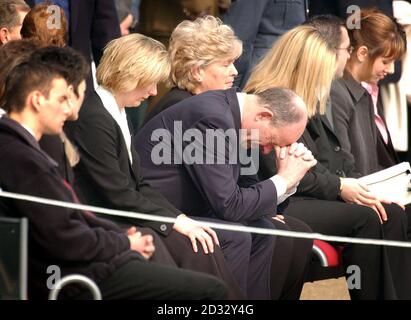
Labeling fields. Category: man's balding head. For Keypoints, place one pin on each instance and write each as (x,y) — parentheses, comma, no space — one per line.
(279,115)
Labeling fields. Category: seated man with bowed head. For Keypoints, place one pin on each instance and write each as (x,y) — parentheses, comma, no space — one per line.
(77,241)
(212,185)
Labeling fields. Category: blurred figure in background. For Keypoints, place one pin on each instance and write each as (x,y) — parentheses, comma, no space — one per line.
(259,23)
(36,27)
(12,13)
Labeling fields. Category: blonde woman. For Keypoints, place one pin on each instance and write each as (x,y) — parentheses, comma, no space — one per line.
(109,174)
(306,60)
(202,54)
(302,61)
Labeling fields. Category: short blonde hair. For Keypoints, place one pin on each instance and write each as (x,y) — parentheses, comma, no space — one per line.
(132,61)
(198,43)
(301,60)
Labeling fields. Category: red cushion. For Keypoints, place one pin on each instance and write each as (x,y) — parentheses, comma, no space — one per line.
(333,254)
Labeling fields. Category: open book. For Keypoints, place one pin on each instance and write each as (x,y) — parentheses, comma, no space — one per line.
(392,183)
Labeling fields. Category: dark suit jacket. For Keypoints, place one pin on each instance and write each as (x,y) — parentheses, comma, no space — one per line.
(104,176)
(76,241)
(170,98)
(323,181)
(259,23)
(207,190)
(353,114)
(54,147)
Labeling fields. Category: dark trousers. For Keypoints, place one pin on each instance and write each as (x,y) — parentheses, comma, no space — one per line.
(176,250)
(146,280)
(272,267)
(259,267)
(291,260)
(377,263)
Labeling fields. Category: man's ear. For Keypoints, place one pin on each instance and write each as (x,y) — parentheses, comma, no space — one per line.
(36,100)
(362,53)
(4,35)
(264,115)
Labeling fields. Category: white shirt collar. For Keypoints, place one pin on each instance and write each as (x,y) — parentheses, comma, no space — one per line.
(241,97)
(29,130)
(118,114)
(2,112)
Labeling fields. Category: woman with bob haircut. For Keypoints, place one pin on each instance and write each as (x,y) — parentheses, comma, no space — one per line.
(36,26)
(109,174)
(202,54)
(358,113)
(305,60)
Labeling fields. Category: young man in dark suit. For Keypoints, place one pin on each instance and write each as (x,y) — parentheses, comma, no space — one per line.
(76,241)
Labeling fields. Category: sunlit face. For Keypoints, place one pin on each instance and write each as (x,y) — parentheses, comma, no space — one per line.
(343,52)
(378,70)
(134,97)
(75,101)
(54,110)
(218,75)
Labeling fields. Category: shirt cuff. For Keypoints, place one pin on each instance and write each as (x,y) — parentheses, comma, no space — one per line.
(281,187)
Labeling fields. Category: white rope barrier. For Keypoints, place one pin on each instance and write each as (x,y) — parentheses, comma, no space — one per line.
(220,226)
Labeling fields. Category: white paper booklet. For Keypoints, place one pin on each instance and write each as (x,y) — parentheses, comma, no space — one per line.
(391,184)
